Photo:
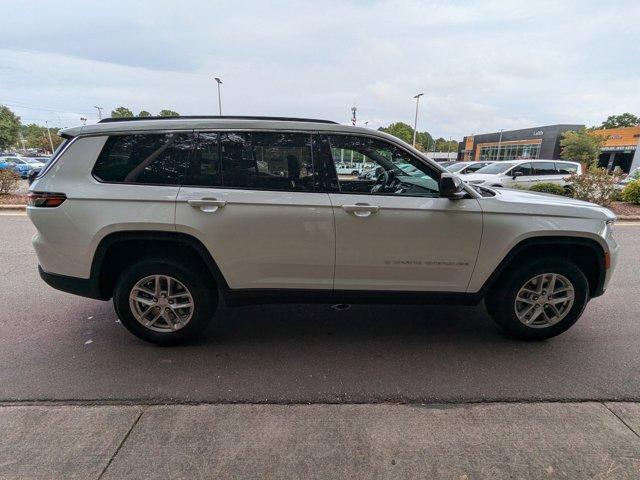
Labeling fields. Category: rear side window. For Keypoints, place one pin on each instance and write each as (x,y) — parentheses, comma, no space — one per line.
(267,161)
(566,168)
(204,165)
(159,159)
(545,168)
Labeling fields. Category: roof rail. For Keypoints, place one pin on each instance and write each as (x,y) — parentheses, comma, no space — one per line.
(216,117)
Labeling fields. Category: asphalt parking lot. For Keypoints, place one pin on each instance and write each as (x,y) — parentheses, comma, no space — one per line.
(56,346)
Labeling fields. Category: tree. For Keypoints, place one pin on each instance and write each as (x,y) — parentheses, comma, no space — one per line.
(144,113)
(403,131)
(121,112)
(581,146)
(36,136)
(443,145)
(9,127)
(619,121)
(168,113)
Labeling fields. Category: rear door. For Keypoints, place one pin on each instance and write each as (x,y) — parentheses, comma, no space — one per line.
(394,232)
(251,198)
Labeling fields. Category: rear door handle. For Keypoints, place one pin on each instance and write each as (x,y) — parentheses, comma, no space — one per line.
(361,209)
(208,205)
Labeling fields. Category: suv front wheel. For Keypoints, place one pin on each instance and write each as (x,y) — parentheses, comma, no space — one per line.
(163,301)
(539,300)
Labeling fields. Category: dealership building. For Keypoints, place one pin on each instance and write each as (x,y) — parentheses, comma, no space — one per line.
(620,148)
(538,142)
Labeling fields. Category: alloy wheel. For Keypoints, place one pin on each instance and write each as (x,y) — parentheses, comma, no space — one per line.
(161,303)
(544,300)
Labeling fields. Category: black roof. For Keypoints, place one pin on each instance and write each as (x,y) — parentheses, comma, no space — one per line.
(216,117)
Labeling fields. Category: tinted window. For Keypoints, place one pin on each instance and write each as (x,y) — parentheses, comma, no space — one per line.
(204,167)
(145,158)
(566,168)
(525,169)
(267,161)
(385,168)
(545,168)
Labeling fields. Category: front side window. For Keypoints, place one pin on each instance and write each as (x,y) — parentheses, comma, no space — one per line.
(524,169)
(267,161)
(384,168)
(158,159)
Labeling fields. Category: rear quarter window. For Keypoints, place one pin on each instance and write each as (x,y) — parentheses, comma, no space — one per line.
(159,159)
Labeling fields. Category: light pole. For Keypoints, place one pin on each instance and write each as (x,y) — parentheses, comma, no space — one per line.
(499,144)
(219,82)
(49,132)
(99,111)
(83,120)
(415,122)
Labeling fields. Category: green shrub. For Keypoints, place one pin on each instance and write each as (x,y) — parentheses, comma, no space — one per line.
(8,181)
(631,192)
(548,187)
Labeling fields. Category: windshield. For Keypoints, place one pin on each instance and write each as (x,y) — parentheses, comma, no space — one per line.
(456,167)
(499,167)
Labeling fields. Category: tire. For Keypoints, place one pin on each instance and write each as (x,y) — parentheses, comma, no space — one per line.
(501,300)
(188,279)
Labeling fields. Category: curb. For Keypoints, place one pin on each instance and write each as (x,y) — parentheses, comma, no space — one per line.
(13,207)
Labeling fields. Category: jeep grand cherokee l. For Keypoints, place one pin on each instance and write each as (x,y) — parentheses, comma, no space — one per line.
(170,216)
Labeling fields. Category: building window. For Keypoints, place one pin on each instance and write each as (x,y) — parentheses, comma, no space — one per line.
(491,153)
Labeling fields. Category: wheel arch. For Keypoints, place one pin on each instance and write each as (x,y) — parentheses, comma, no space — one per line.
(117,250)
(587,253)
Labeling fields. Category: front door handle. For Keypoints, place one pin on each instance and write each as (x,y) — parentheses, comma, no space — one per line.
(361,209)
(208,205)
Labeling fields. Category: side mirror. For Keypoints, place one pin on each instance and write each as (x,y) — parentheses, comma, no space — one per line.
(516,174)
(451,186)
(33,174)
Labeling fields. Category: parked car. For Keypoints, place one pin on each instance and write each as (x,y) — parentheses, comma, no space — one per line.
(632,176)
(347,169)
(168,216)
(447,163)
(21,165)
(523,173)
(466,167)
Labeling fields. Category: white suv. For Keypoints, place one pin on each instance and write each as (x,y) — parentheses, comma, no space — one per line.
(169,216)
(524,173)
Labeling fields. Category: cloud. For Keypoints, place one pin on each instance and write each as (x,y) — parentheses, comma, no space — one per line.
(481,65)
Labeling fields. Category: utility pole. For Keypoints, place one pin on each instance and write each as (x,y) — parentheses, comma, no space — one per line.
(415,122)
(99,111)
(219,82)
(499,144)
(49,132)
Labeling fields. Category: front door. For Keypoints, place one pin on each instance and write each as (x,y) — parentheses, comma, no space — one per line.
(251,199)
(393,231)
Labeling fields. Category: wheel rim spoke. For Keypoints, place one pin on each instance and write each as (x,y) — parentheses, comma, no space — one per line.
(544,300)
(161,303)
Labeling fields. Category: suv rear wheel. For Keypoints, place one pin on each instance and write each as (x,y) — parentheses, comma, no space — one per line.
(164,301)
(539,300)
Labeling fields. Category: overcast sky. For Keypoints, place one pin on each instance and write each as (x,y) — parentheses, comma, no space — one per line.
(482,65)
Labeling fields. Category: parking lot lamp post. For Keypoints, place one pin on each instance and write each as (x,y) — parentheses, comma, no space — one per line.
(99,109)
(415,122)
(49,132)
(499,144)
(219,82)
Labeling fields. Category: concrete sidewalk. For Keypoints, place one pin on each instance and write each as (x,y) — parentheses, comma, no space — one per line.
(508,440)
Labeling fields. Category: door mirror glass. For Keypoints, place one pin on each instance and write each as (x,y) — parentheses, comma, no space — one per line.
(517,173)
(451,186)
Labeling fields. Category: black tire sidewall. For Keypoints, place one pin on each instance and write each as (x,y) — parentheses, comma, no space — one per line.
(500,302)
(197,281)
